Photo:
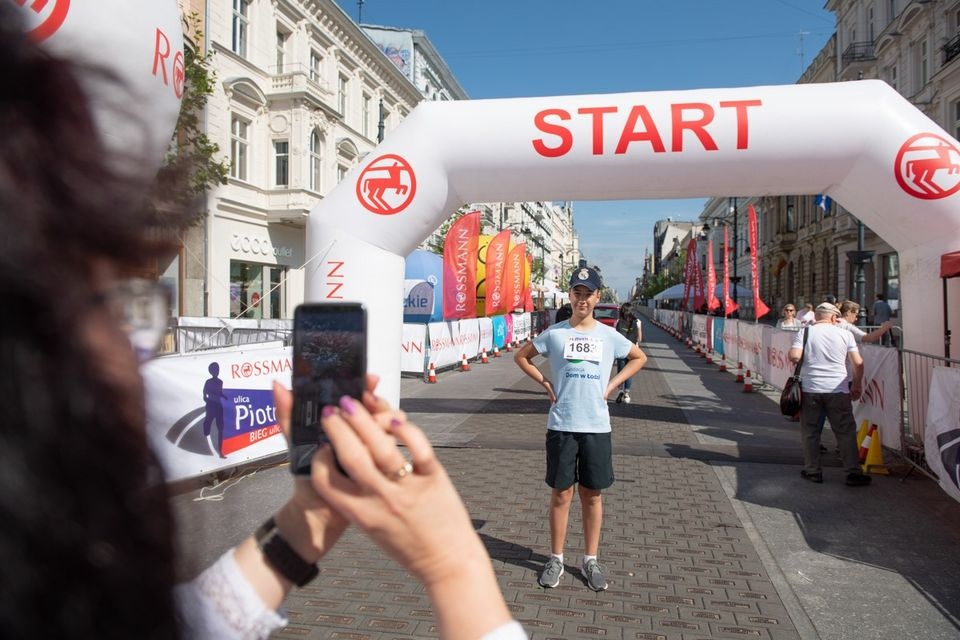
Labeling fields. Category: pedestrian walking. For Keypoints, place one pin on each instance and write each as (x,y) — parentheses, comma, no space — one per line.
(826,389)
(629,327)
(580,356)
(882,312)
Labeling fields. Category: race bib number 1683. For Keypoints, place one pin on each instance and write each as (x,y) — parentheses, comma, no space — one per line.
(583,348)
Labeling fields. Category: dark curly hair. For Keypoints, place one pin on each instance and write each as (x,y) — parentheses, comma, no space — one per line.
(86,546)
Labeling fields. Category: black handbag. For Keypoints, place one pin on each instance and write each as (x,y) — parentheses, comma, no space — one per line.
(792,396)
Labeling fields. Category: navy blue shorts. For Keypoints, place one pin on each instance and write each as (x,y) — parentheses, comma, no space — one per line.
(584,458)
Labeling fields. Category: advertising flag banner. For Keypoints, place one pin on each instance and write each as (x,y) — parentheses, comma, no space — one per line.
(496,263)
(712,302)
(527,286)
(460,249)
(513,277)
(760,308)
(729,306)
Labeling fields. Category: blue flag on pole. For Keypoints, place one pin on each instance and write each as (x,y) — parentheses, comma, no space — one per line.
(824,202)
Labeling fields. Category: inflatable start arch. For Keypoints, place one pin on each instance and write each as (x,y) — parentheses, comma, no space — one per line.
(859,142)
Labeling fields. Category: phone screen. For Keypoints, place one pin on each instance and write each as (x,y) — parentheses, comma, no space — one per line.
(329,361)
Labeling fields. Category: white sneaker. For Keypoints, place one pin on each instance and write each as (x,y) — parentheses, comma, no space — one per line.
(626,397)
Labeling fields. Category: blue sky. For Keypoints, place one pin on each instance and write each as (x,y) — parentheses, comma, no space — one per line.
(518,48)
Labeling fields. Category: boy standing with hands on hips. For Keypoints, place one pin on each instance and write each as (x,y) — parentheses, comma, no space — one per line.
(580,352)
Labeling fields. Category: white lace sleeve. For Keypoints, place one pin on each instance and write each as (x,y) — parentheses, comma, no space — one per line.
(509,631)
(220,603)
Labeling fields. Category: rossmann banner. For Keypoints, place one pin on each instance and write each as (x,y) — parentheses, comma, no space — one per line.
(215,410)
(942,433)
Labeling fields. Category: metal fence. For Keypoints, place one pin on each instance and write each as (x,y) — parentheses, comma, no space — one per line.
(189,339)
(916,370)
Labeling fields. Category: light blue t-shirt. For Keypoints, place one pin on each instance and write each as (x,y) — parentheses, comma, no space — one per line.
(580,382)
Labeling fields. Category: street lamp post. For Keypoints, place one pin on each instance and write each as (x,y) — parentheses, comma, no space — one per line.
(735,279)
(860,258)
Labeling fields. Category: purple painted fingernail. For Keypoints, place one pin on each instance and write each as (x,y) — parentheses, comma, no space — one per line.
(395,423)
(348,405)
(327,411)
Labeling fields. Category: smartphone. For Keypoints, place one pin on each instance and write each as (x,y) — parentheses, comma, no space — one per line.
(329,361)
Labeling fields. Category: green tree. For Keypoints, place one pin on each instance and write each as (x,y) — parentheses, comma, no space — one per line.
(435,244)
(536,270)
(667,278)
(192,165)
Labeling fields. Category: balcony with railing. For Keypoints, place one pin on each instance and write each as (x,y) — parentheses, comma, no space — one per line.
(295,80)
(951,50)
(856,58)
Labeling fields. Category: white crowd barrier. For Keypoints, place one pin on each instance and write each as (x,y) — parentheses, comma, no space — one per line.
(762,349)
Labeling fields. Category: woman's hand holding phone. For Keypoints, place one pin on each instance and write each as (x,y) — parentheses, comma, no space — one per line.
(411,510)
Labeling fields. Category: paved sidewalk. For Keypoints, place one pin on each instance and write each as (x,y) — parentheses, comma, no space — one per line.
(709,531)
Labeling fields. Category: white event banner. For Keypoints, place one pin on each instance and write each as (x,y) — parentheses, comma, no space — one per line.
(942,434)
(214,410)
(880,401)
(486,333)
(413,348)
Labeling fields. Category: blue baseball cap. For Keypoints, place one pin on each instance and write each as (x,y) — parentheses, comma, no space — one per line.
(586,276)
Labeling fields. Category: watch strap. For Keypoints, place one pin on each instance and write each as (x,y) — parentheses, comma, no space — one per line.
(282,557)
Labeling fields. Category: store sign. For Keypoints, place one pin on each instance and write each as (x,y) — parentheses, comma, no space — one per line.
(258,246)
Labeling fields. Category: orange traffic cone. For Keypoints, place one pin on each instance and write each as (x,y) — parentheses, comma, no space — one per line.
(739,372)
(483,356)
(861,434)
(464,363)
(748,383)
(865,444)
(496,351)
(709,356)
(723,363)
(432,373)
(874,457)
(509,346)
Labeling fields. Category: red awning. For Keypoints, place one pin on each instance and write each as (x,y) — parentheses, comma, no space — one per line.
(950,265)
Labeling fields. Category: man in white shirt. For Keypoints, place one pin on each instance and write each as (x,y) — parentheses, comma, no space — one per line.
(805,316)
(825,389)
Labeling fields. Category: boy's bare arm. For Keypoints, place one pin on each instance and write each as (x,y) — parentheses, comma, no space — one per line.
(523,358)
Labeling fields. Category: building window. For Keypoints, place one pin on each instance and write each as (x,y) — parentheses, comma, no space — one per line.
(791,222)
(891,279)
(365,124)
(825,268)
(248,296)
(891,10)
(892,76)
(240,24)
(871,34)
(315,162)
(281,154)
(956,118)
(341,172)
(281,50)
(239,142)
(924,63)
(342,94)
(316,60)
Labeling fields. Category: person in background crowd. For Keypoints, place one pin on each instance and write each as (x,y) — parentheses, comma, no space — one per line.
(825,388)
(849,312)
(788,318)
(564,312)
(581,354)
(86,546)
(881,313)
(806,316)
(629,327)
